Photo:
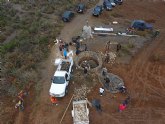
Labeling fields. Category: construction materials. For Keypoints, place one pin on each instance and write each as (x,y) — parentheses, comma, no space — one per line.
(125,34)
(81,93)
(80,112)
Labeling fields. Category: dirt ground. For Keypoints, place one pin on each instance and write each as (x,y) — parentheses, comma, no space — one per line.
(143,75)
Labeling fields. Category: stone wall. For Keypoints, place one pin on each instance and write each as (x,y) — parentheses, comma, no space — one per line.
(92,55)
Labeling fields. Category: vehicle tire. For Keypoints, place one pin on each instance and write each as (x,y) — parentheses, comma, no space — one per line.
(65,20)
(72,70)
(66,90)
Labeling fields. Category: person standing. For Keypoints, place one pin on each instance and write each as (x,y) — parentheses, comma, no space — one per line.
(96,104)
(126,101)
(65,53)
(107,58)
(60,48)
(85,47)
(20,105)
(122,107)
(107,81)
(66,46)
(53,100)
(104,72)
(85,71)
(118,47)
(122,89)
(101,91)
(107,47)
(77,51)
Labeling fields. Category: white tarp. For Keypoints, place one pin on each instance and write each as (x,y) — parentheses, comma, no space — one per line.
(87,32)
(101,29)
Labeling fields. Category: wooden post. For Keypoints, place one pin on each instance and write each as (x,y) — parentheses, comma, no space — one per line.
(90,104)
(66,109)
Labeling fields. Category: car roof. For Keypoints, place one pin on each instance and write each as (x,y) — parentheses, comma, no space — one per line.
(67,13)
(97,7)
(81,5)
(107,2)
(140,21)
(60,73)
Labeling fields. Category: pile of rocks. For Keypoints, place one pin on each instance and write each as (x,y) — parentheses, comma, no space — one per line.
(112,56)
(81,93)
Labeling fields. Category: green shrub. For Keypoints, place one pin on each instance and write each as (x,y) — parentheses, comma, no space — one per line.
(2,38)
(126,50)
(130,45)
(142,33)
(43,40)
(8,47)
(48,9)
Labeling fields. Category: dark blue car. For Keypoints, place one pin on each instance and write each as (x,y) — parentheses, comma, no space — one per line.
(67,16)
(119,2)
(97,10)
(141,25)
(80,8)
(107,5)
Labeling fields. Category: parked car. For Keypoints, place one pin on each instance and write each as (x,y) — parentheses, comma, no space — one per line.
(141,25)
(97,10)
(107,5)
(61,78)
(80,8)
(67,16)
(119,2)
(112,3)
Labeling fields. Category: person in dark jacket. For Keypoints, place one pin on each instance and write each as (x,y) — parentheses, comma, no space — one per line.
(85,71)
(77,51)
(118,47)
(107,81)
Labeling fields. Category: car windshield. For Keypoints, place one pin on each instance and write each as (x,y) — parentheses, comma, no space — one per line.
(66,14)
(97,8)
(58,80)
(81,6)
(108,4)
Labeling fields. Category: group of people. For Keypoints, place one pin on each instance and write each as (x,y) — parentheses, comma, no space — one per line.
(21,96)
(124,104)
(121,107)
(78,50)
(64,48)
(122,89)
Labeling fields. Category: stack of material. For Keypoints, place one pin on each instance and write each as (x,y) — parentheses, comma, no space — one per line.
(80,112)
(112,57)
(81,93)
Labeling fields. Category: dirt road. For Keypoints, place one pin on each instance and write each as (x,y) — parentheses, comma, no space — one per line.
(43,112)
(145,79)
